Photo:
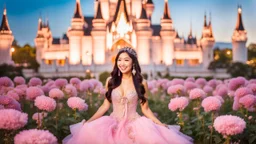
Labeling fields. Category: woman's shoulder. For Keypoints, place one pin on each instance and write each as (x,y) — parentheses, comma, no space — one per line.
(107,80)
(144,82)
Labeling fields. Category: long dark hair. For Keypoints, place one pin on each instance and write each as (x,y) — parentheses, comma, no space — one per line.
(115,80)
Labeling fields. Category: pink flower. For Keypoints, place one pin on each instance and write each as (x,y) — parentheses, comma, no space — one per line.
(248,101)
(13,95)
(1,107)
(242,92)
(178,103)
(212,83)
(11,119)
(70,90)
(208,89)
(222,91)
(85,86)
(103,91)
(60,83)
(176,90)
(35,81)
(13,105)
(197,93)
(252,86)
(201,82)
(229,125)
(177,81)
(56,93)
(45,103)
(220,98)
(77,103)
(190,85)
(39,116)
(190,79)
(75,82)
(5,100)
(35,136)
(33,92)
(211,104)
(6,82)
(18,80)
(45,89)
(235,83)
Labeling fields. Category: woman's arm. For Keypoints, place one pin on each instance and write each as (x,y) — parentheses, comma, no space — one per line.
(103,108)
(145,108)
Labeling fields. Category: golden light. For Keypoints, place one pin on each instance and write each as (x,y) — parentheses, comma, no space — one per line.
(88,71)
(239,10)
(228,52)
(12,49)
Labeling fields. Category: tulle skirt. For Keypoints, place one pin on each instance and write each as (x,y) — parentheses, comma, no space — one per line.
(107,130)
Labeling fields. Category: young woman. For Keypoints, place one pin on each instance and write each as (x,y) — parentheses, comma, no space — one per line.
(125,90)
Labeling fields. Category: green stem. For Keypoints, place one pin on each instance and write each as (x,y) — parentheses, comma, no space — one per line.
(227,141)
(212,119)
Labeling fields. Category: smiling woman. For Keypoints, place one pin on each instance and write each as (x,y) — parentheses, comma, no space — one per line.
(125,90)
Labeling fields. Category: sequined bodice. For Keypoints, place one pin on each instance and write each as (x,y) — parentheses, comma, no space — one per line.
(124,107)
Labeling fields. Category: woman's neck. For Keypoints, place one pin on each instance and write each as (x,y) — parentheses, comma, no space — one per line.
(127,76)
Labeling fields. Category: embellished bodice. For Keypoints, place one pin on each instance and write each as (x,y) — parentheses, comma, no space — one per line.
(124,107)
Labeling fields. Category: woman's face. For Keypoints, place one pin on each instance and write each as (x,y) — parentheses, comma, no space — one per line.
(124,63)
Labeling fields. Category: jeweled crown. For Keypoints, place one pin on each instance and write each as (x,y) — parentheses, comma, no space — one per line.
(129,50)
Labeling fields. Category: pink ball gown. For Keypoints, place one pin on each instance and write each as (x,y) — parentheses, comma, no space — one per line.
(124,126)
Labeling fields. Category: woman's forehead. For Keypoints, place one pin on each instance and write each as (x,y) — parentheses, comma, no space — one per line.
(124,55)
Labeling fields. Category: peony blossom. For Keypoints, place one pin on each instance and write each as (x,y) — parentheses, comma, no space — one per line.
(33,92)
(13,95)
(45,103)
(178,103)
(11,119)
(197,93)
(56,93)
(85,86)
(201,82)
(6,82)
(176,90)
(60,83)
(35,136)
(77,103)
(18,80)
(35,81)
(70,90)
(190,85)
(229,125)
(75,82)
(211,104)
(235,83)
(248,101)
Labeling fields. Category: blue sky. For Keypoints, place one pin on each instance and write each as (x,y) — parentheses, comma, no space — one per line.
(23,16)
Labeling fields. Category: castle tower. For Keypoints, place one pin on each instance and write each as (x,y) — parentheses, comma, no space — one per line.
(149,6)
(99,37)
(144,34)
(136,8)
(167,34)
(207,42)
(105,8)
(239,40)
(39,42)
(75,34)
(6,39)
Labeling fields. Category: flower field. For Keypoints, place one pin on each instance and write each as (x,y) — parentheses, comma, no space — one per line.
(211,112)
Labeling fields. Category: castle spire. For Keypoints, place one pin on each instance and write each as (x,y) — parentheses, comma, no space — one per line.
(78,10)
(239,23)
(210,25)
(121,10)
(166,11)
(4,25)
(99,13)
(205,20)
(143,14)
(149,2)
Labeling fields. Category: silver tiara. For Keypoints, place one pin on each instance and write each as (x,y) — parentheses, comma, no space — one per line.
(129,50)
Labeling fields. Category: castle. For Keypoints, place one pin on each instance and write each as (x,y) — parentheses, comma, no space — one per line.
(91,43)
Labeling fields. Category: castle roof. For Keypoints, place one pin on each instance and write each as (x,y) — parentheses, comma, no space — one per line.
(166,11)
(78,10)
(239,23)
(99,13)
(143,14)
(149,2)
(121,8)
(4,24)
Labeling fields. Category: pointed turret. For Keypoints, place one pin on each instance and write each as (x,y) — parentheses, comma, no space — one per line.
(205,20)
(143,14)
(210,26)
(98,12)
(78,10)
(239,23)
(4,25)
(6,39)
(166,14)
(239,39)
(121,10)
(39,29)
(149,6)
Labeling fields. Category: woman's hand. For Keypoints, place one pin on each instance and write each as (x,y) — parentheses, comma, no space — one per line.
(163,124)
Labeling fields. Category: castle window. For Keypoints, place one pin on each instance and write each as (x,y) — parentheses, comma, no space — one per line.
(193,62)
(49,62)
(61,62)
(179,61)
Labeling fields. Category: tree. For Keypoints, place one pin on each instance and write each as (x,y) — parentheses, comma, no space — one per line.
(222,59)
(240,69)
(25,56)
